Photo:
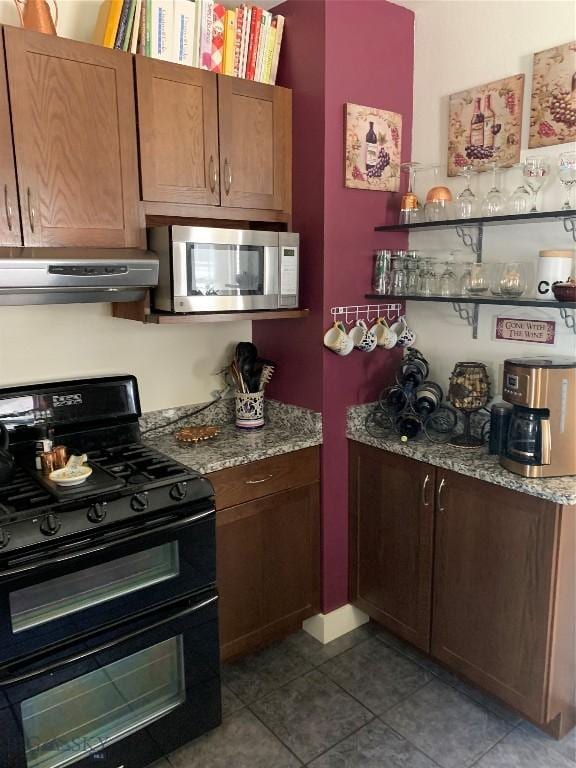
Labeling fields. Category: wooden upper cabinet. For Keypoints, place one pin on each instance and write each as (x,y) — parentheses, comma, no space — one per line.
(73,117)
(10,232)
(255,144)
(178,133)
(495,565)
(391,537)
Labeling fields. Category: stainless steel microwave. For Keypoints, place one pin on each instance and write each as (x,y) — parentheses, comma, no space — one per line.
(203,269)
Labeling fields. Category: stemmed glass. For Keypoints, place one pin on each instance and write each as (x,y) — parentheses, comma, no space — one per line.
(410,205)
(535,169)
(567,176)
(495,200)
(465,200)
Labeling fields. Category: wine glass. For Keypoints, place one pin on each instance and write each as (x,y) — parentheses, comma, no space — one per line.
(410,205)
(567,176)
(466,200)
(495,200)
(535,169)
(520,199)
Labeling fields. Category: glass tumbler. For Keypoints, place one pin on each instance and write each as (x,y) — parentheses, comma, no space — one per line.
(514,279)
(398,283)
(478,281)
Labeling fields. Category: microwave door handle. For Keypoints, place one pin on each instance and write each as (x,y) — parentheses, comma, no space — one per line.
(176,525)
(106,646)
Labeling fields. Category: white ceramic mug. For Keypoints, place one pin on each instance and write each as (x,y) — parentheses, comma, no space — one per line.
(405,336)
(337,340)
(363,337)
(385,336)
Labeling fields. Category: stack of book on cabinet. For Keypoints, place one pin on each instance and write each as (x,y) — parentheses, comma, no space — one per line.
(243,42)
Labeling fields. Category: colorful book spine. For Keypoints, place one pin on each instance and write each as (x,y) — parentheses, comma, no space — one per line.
(148,37)
(253,44)
(218,15)
(238,40)
(129,26)
(269,53)
(206,34)
(262,43)
(162,29)
(196,39)
(229,42)
(278,43)
(121,31)
(245,40)
(184,18)
(136,27)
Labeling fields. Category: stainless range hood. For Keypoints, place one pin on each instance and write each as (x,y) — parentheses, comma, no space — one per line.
(75,275)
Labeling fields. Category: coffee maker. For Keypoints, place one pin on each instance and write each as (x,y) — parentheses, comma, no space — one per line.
(541,440)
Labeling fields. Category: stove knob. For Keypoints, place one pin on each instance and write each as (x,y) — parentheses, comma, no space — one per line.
(139,502)
(50,525)
(4,538)
(178,491)
(96,513)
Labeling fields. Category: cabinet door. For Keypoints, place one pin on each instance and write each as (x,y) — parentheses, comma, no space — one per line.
(391,534)
(255,144)
(178,133)
(10,233)
(268,568)
(493,581)
(73,117)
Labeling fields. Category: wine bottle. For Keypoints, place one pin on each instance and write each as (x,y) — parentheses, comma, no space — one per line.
(408,427)
(371,148)
(489,122)
(477,125)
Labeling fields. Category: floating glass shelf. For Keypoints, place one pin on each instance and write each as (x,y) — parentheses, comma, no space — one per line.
(539,216)
(497,300)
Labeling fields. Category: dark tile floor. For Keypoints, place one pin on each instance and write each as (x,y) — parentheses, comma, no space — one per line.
(366,700)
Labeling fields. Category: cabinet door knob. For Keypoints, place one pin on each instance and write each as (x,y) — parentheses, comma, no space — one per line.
(439,495)
(257,482)
(425,501)
(227,176)
(31,211)
(8,208)
(213,174)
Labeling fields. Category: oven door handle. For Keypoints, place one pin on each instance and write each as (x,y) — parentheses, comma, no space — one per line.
(175,525)
(106,646)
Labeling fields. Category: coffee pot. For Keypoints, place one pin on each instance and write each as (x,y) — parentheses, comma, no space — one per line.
(6,458)
(35,14)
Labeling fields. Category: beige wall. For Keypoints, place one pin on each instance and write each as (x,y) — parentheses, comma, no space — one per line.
(174,366)
(462,43)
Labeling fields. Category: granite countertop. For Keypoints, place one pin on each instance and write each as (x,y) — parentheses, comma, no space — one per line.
(287,428)
(474,462)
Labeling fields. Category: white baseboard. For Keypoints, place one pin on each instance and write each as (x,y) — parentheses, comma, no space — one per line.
(326,627)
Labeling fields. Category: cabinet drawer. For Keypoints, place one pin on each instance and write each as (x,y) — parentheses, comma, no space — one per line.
(261,478)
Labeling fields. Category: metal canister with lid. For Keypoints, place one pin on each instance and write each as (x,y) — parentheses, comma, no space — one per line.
(554,266)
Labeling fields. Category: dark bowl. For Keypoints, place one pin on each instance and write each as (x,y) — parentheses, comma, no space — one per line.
(564,291)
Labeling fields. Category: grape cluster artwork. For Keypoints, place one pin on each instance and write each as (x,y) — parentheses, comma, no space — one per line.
(373,146)
(485,125)
(553,104)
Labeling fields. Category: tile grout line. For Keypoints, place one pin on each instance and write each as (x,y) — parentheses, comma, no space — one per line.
(505,736)
(356,730)
(275,736)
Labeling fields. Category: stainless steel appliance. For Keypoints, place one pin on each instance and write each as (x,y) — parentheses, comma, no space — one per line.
(70,275)
(203,269)
(108,606)
(541,439)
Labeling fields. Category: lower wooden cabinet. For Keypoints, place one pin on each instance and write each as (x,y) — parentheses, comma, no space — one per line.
(503,608)
(268,550)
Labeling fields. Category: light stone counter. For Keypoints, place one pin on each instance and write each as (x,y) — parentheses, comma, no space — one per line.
(474,462)
(288,428)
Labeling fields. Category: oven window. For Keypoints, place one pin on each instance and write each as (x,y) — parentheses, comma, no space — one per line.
(59,597)
(225,270)
(83,716)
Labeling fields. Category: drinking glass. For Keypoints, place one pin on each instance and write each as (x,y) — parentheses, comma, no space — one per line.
(427,278)
(410,211)
(478,281)
(513,279)
(520,200)
(535,170)
(567,176)
(496,269)
(465,204)
(398,278)
(448,282)
(495,200)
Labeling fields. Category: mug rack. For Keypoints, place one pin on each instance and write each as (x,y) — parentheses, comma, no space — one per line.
(366,312)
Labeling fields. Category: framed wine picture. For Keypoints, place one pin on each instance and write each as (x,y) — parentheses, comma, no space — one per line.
(485,125)
(372,148)
(553,104)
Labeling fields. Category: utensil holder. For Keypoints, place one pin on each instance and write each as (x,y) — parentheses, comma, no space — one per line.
(249,409)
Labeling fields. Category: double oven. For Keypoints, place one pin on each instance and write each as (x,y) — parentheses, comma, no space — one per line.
(109,652)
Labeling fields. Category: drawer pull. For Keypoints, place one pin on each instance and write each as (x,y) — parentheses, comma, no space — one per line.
(227,176)
(31,211)
(257,482)
(212,174)
(425,501)
(439,495)
(8,208)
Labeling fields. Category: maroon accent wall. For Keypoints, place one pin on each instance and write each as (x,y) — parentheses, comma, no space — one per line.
(336,51)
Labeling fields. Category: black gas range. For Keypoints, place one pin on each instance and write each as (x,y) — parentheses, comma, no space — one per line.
(108,601)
